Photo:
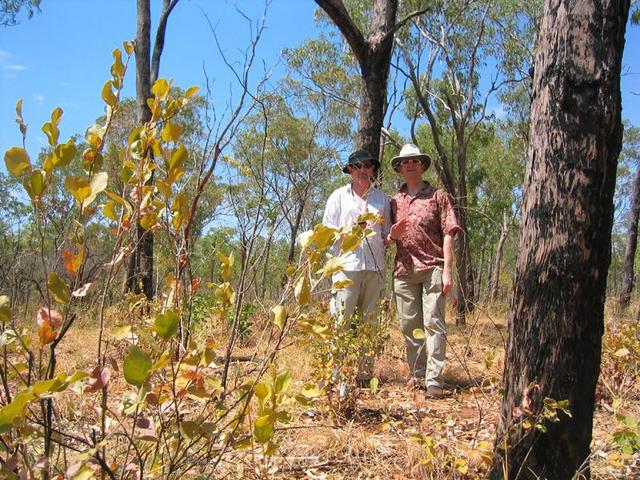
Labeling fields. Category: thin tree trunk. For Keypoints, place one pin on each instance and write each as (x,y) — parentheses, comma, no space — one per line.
(495,281)
(628,274)
(557,311)
(140,267)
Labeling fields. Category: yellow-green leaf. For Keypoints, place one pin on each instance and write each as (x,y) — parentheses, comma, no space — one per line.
(323,236)
(283,381)
(63,154)
(191,91)
(17,161)
(263,429)
(79,188)
(350,243)
(341,285)
(419,334)
(161,88)
(58,288)
(109,210)
(137,366)
(50,129)
(128,47)
(303,291)
(333,265)
(166,324)
(5,309)
(117,69)
(171,132)
(261,390)
(35,184)
(279,316)
(97,184)
(13,411)
(108,95)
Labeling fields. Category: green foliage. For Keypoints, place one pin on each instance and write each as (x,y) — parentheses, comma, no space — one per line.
(627,434)
(10,10)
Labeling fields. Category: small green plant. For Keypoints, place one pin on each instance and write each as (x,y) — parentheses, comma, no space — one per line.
(627,433)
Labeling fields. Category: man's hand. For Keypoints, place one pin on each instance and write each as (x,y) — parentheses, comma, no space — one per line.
(446,281)
(398,229)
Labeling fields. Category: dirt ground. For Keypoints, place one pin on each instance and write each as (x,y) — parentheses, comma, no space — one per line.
(395,432)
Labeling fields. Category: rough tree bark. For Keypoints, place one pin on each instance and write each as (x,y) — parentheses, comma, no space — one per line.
(557,311)
(140,267)
(628,276)
(374,58)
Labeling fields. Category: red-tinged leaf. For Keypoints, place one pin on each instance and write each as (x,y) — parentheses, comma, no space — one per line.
(85,289)
(195,283)
(50,316)
(99,379)
(146,430)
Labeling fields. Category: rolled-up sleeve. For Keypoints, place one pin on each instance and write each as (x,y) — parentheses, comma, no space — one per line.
(448,220)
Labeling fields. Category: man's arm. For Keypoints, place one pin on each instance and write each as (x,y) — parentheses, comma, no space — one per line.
(448,260)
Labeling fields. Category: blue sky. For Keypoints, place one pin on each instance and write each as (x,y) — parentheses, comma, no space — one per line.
(61,57)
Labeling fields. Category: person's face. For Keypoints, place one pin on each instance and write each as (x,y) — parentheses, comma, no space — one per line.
(411,167)
(361,171)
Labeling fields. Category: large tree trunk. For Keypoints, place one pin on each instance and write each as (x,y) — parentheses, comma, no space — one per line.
(628,276)
(556,321)
(374,57)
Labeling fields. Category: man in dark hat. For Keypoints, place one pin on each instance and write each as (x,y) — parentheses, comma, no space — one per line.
(424,228)
(365,265)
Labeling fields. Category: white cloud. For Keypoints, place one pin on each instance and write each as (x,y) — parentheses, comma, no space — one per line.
(38,98)
(14,66)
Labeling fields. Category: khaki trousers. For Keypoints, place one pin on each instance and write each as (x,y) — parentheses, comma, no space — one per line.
(421,305)
(362,295)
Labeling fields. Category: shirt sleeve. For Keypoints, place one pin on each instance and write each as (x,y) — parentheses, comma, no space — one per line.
(331,216)
(448,220)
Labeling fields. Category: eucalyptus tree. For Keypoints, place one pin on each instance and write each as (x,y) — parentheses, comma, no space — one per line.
(369,29)
(630,158)
(10,10)
(140,266)
(447,55)
(556,323)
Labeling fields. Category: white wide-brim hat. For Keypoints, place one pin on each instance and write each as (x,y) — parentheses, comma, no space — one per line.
(409,150)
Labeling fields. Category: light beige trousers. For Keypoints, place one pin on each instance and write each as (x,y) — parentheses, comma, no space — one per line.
(362,295)
(421,305)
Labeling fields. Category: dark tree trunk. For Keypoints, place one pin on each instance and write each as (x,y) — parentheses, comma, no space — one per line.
(374,57)
(140,267)
(295,227)
(557,311)
(628,276)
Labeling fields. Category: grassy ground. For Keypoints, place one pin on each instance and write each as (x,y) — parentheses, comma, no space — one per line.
(395,433)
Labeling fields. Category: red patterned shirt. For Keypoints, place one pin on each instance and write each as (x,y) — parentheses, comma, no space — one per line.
(431,217)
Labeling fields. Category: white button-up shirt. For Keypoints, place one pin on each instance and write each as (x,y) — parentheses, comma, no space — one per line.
(343,208)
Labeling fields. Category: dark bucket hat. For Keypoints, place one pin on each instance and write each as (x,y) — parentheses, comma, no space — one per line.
(358,157)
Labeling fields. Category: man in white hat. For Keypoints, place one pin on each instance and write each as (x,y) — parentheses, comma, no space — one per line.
(365,266)
(424,228)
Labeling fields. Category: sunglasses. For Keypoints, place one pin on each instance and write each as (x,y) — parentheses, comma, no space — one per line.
(359,165)
(410,161)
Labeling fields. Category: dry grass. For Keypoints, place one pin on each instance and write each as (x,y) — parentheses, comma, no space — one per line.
(382,438)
